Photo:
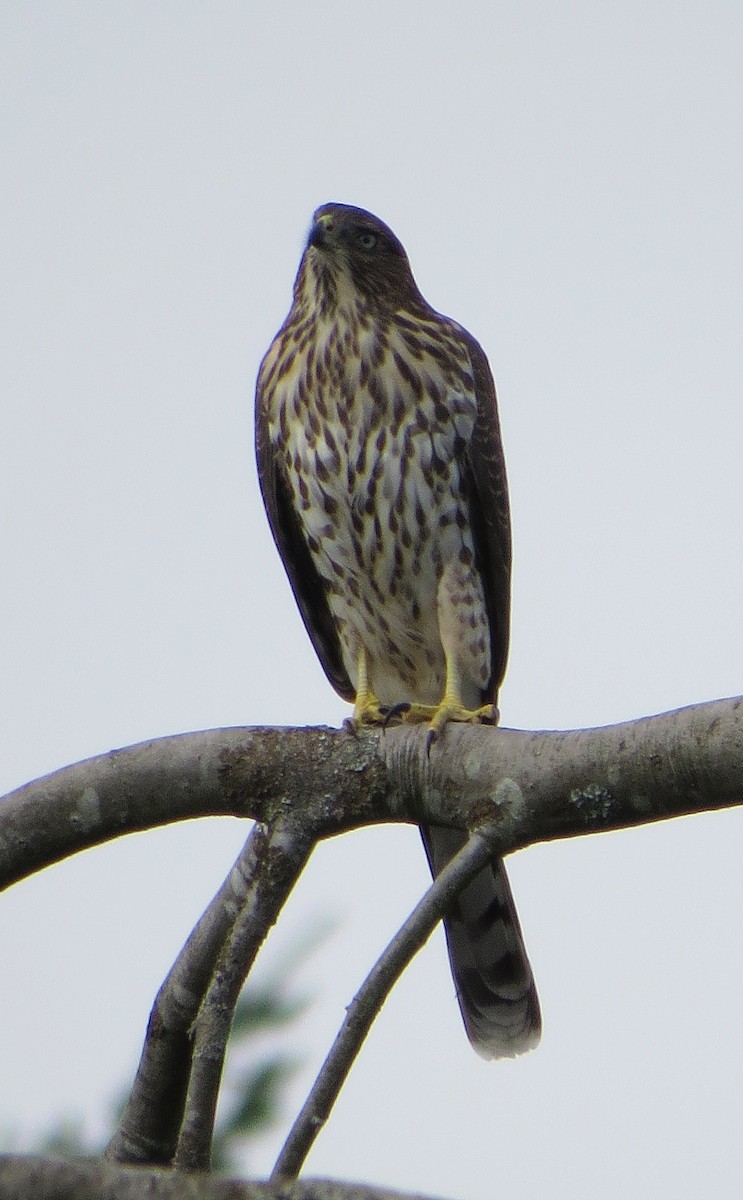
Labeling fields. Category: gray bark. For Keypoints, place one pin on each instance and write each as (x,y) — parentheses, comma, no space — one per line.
(508,788)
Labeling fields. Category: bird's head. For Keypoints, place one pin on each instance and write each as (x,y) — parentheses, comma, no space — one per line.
(351,250)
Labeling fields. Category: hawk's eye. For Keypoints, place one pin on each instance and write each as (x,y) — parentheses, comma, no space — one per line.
(367,240)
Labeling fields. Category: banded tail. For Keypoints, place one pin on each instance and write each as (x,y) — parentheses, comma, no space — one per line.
(492,974)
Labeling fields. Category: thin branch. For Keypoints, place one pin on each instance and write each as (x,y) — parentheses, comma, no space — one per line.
(148,1129)
(367,1003)
(281,855)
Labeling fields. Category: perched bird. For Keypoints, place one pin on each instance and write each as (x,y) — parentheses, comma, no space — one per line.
(382,472)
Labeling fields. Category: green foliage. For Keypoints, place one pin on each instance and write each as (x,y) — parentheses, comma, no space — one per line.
(258,1108)
(257,1074)
(257,1079)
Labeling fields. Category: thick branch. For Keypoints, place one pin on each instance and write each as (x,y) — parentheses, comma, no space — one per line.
(281,854)
(571,783)
(219,772)
(577,782)
(37,1178)
(526,787)
(150,1124)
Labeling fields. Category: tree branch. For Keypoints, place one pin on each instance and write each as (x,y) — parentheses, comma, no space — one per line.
(280,854)
(524,787)
(577,782)
(219,772)
(36,1178)
(150,1124)
(572,783)
(368,1001)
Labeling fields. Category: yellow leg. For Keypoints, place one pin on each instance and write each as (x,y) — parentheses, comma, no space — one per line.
(366,709)
(450,708)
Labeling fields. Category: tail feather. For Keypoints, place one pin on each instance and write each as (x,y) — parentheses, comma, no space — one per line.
(493,978)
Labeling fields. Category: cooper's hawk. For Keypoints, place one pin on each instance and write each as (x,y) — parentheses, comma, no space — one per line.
(382,472)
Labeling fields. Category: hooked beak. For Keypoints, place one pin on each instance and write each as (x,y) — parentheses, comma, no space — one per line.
(322,227)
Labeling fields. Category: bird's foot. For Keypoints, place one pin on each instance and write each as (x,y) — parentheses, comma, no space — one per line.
(439,715)
(368,711)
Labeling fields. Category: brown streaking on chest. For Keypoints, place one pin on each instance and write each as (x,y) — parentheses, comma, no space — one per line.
(371,423)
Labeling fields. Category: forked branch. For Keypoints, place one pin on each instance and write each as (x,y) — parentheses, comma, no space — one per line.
(303,785)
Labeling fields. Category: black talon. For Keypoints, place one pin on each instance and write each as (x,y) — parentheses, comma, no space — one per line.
(395,710)
(432,737)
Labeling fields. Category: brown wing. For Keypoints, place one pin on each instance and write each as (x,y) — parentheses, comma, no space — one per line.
(306,583)
(490,518)
(493,977)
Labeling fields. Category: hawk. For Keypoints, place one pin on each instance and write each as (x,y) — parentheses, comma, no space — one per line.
(382,472)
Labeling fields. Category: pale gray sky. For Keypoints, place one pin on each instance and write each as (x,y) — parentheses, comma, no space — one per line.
(567,181)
